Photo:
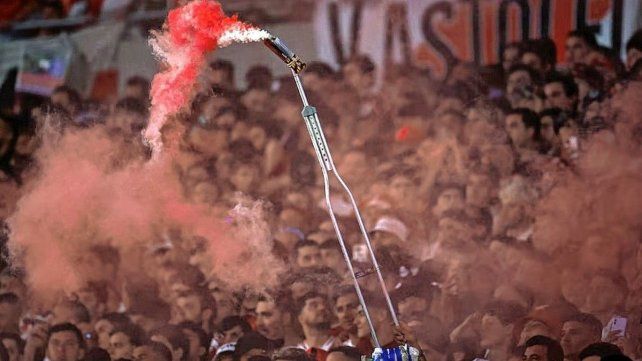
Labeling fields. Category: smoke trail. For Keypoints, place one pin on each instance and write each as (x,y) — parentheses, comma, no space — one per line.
(190,33)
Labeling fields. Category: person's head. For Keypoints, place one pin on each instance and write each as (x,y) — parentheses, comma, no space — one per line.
(199,340)
(271,317)
(245,176)
(560,92)
(71,311)
(450,197)
(346,305)
(14,345)
(511,55)
(480,189)
(123,340)
(221,74)
(521,82)
(532,56)
(523,127)
(292,354)
(196,306)
(137,87)
(251,344)
(66,97)
(497,323)
(344,353)
(317,75)
(599,350)
(606,293)
(542,348)
(313,312)
(359,72)
(106,324)
(174,339)
(259,77)
(129,116)
(65,343)
(233,328)
(10,312)
(152,351)
(307,254)
(579,43)
(634,49)
(331,255)
(579,331)
(551,121)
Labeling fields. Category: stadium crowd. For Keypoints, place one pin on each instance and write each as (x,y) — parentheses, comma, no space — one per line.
(449,175)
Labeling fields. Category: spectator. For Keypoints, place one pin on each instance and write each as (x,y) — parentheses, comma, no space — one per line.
(173,338)
(233,328)
(579,44)
(273,320)
(523,128)
(10,312)
(152,351)
(543,348)
(198,307)
(14,345)
(578,332)
(65,343)
(307,254)
(634,49)
(346,306)
(313,314)
(250,344)
(597,351)
(561,92)
(344,353)
(199,341)
(123,341)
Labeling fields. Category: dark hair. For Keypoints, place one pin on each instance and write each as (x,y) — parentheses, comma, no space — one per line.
(131,105)
(365,64)
(529,118)
(304,243)
(348,351)
(601,349)
(230,322)
(554,350)
(67,327)
(138,80)
(507,312)
(72,94)
(584,34)
(534,75)
(560,118)
(135,334)
(594,325)
(323,70)
(9,297)
(615,358)
(97,354)
(292,354)
(175,337)
(300,303)
(4,354)
(250,341)
(15,337)
(635,41)
(222,64)
(330,243)
(80,312)
(259,77)
(116,319)
(160,348)
(570,88)
(203,337)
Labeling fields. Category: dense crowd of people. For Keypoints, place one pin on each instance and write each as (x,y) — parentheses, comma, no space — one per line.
(449,175)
